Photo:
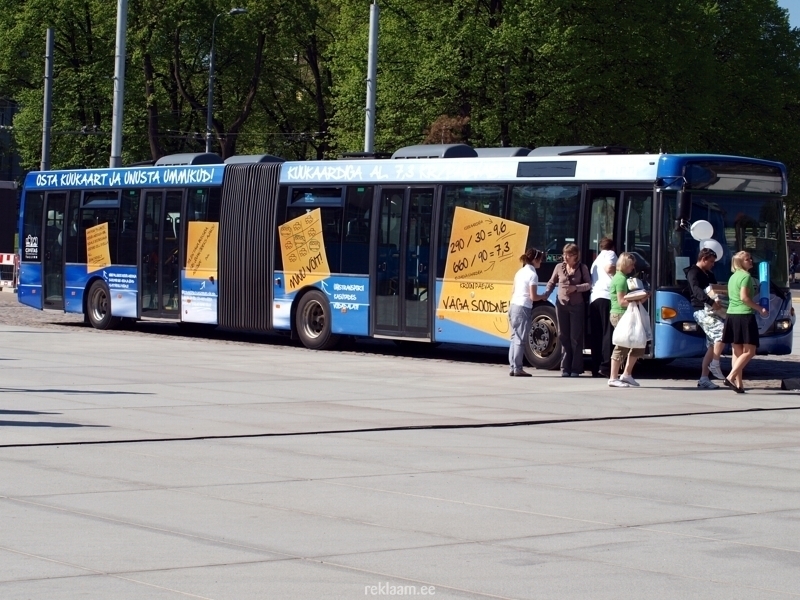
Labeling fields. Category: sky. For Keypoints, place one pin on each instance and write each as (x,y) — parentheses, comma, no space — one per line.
(794,11)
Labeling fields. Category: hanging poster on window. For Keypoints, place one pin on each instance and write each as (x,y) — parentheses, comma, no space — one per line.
(303,250)
(482,258)
(201,250)
(98,255)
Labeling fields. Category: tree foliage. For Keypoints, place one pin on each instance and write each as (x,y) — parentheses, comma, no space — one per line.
(666,75)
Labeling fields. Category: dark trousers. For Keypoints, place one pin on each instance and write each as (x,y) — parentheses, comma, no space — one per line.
(602,331)
(571,318)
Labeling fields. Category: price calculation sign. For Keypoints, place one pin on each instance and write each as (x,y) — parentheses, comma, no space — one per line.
(482,259)
(98,255)
(303,250)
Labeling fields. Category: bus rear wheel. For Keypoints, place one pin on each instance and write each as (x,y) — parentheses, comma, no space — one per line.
(313,321)
(543,349)
(98,307)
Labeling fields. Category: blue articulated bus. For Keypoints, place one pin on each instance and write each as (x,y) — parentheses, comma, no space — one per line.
(420,247)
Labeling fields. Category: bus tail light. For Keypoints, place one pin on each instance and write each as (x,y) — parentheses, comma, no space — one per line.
(668,313)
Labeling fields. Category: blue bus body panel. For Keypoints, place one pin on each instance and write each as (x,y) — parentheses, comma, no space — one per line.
(75,281)
(348,296)
(670,342)
(199,299)
(133,177)
(30,285)
(124,287)
(122,282)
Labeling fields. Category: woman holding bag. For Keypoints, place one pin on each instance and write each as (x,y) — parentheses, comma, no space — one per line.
(626,265)
(572,278)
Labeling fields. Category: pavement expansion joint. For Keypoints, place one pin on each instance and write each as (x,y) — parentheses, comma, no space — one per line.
(439,427)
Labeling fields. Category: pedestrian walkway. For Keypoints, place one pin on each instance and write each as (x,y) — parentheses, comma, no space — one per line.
(160,466)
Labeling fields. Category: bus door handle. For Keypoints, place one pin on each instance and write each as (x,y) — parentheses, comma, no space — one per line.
(382,267)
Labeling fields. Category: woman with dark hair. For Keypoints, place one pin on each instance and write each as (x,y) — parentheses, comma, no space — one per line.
(523,295)
(741,329)
(572,278)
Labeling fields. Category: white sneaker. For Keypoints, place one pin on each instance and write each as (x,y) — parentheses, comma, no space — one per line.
(706,384)
(617,383)
(715,370)
(629,380)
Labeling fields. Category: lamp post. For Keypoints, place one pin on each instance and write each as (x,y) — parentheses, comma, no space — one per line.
(210,107)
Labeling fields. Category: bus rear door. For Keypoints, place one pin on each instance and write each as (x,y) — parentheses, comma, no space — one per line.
(161,248)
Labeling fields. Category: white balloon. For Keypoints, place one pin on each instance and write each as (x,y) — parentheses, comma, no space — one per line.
(701,230)
(712,245)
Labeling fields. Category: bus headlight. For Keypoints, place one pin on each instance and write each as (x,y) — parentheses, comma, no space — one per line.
(688,326)
(783,324)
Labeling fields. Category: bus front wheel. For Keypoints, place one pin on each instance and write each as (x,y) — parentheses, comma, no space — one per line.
(313,321)
(98,307)
(543,349)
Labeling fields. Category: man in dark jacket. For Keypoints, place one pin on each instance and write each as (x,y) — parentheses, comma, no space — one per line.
(700,277)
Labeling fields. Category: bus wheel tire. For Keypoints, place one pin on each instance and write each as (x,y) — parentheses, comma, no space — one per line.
(98,307)
(543,349)
(313,321)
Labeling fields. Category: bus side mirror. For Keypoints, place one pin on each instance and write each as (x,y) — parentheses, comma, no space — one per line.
(684,213)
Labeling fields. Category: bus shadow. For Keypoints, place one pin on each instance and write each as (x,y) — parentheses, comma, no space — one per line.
(26,412)
(73,392)
(46,424)
(686,369)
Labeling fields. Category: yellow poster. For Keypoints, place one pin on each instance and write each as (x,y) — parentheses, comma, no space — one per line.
(201,257)
(303,250)
(482,258)
(98,255)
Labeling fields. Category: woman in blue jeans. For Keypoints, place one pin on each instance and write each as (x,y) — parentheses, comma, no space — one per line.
(523,295)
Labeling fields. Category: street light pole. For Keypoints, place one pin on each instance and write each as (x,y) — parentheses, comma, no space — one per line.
(210,106)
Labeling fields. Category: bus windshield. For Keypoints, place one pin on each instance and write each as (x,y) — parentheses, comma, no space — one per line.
(741,222)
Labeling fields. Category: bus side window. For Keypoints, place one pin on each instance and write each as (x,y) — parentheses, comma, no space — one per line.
(308,199)
(129,227)
(72,226)
(355,247)
(487,199)
(551,213)
(91,218)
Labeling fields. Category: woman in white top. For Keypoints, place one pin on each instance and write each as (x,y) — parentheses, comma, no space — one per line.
(519,313)
(603,269)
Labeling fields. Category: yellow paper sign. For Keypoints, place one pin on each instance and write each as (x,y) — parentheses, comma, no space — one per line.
(482,259)
(98,255)
(303,250)
(201,258)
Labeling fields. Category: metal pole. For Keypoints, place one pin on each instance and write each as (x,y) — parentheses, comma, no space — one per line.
(372,76)
(119,84)
(47,119)
(210,105)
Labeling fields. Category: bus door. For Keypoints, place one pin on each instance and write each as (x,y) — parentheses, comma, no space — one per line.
(160,250)
(626,217)
(53,245)
(636,229)
(402,274)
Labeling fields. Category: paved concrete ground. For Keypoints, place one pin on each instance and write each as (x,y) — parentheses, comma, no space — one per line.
(145,463)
